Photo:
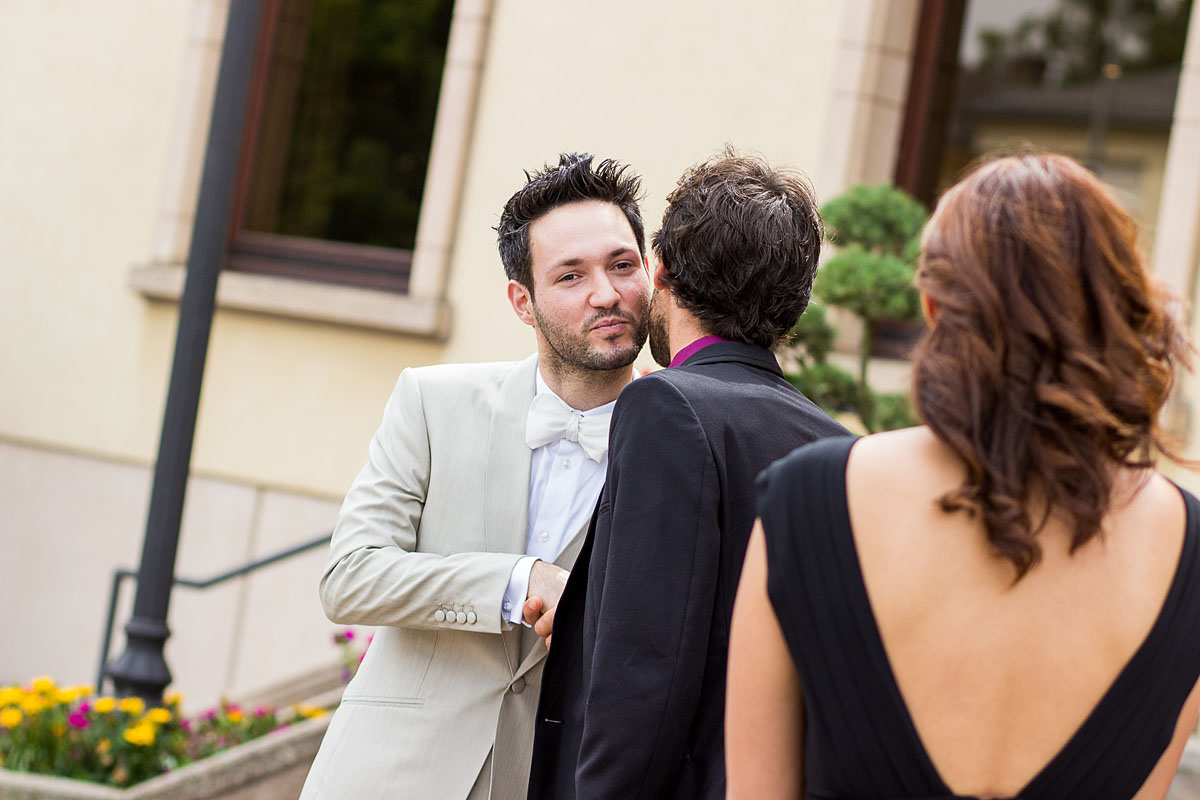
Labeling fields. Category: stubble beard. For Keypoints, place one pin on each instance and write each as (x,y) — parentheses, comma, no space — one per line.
(572,352)
(660,346)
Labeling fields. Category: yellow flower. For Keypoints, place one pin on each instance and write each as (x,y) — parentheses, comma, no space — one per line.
(103,746)
(10,717)
(234,715)
(173,698)
(105,705)
(10,695)
(159,715)
(308,712)
(133,705)
(141,734)
(32,704)
(85,690)
(43,684)
(66,696)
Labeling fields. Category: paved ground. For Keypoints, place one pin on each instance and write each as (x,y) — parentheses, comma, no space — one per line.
(1185,787)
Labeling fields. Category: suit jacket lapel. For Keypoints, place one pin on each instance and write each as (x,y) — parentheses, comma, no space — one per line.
(506,477)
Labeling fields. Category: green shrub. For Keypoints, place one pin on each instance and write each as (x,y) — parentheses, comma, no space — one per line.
(877,230)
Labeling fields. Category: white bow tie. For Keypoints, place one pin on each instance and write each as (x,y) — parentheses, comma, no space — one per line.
(550,419)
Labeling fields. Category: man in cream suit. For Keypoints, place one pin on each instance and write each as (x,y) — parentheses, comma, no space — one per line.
(478,487)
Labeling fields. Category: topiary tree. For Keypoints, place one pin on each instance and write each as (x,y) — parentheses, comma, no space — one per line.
(877,231)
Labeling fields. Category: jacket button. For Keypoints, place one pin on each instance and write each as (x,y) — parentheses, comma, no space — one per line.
(461,617)
(439,615)
(471,617)
(518,686)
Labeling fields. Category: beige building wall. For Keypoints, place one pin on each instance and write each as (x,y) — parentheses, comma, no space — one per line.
(102,157)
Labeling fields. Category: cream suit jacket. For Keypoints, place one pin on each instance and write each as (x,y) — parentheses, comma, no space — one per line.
(423,548)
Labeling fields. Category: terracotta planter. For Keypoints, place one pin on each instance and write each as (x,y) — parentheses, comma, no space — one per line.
(271,767)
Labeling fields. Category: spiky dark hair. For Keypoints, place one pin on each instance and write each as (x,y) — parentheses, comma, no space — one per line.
(572,180)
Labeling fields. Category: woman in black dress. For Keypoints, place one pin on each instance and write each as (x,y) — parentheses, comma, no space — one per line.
(1004,602)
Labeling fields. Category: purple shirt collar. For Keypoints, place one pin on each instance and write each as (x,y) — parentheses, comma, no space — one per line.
(696,346)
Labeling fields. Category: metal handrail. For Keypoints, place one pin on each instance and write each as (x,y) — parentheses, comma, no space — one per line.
(120,575)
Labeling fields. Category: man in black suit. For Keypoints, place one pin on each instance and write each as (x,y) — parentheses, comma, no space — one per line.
(633,693)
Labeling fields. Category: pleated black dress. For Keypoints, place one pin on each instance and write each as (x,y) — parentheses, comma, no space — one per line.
(859,740)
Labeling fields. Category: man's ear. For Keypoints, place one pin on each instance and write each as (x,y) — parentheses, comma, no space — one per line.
(522,302)
(660,277)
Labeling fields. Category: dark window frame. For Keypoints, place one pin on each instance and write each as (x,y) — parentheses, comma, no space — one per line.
(298,257)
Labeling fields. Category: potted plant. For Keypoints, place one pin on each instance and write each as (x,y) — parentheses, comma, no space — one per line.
(876,230)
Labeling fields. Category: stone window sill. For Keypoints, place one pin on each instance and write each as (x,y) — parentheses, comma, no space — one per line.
(306,300)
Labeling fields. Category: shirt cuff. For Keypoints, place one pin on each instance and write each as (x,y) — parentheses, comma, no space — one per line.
(518,588)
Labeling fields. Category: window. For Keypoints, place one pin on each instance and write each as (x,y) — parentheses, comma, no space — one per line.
(337,141)
(1094,80)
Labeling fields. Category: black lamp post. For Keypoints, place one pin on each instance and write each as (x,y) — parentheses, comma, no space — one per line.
(142,670)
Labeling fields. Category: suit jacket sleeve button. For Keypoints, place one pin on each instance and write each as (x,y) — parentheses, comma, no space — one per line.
(461,617)
(518,686)
(439,615)
(471,617)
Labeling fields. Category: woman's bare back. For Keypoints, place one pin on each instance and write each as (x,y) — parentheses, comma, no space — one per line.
(998,675)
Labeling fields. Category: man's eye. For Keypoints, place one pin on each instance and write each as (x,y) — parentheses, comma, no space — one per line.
(570,276)
(624,265)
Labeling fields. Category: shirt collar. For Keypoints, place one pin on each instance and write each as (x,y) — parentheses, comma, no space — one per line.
(693,348)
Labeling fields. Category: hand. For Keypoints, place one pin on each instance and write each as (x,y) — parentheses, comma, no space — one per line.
(546,583)
(543,624)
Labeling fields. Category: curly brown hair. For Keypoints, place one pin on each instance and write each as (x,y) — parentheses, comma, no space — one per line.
(1052,350)
(740,241)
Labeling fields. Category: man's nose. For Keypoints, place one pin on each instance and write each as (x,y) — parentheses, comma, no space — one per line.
(604,293)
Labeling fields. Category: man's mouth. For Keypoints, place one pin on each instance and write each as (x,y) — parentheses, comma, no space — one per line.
(610,325)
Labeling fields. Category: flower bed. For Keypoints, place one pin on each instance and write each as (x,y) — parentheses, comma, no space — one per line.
(67,732)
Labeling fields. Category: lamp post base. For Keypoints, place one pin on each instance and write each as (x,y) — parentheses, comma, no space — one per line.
(142,670)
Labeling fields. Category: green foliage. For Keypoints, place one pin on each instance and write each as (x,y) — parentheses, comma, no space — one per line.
(879,219)
(1079,37)
(813,337)
(894,410)
(64,731)
(827,385)
(363,120)
(877,230)
(873,286)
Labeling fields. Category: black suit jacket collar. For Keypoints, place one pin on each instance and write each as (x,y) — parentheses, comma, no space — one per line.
(737,352)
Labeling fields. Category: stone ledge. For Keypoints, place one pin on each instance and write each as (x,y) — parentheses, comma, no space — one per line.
(234,772)
(306,300)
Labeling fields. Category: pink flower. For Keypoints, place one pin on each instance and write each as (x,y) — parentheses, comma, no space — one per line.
(84,708)
(260,712)
(78,720)
(185,726)
(348,634)
(210,714)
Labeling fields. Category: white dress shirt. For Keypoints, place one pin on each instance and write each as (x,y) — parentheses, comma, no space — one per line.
(564,485)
